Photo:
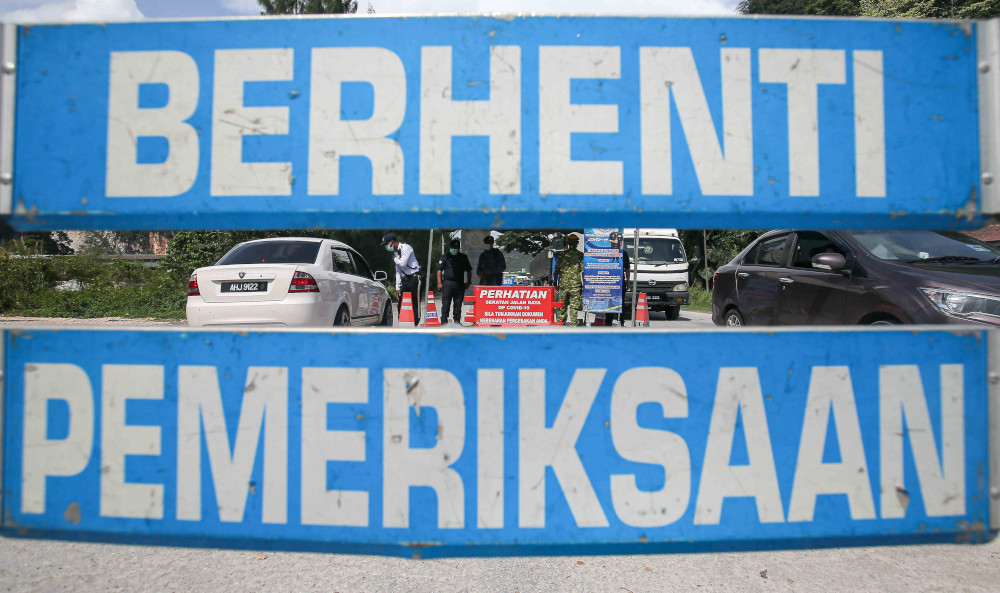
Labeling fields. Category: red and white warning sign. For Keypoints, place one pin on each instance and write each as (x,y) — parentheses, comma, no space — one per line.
(514,305)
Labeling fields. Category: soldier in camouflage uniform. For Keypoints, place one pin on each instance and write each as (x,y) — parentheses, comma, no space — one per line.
(569,274)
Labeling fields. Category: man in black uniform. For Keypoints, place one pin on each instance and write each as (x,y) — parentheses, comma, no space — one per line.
(491,264)
(454,276)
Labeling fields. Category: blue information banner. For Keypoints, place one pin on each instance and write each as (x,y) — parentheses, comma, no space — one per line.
(327,441)
(602,270)
(498,122)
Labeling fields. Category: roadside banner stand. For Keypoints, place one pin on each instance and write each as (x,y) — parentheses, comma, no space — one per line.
(502,442)
(602,274)
(514,306)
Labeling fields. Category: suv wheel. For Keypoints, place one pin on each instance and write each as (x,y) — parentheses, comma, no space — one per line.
(733,318)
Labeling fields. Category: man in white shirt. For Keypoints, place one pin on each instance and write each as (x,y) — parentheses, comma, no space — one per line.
(407,273)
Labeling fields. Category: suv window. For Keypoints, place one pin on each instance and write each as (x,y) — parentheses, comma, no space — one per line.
(362,266)
(809,244)
(769,252)
(342,261)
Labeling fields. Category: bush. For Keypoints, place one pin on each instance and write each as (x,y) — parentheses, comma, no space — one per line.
(77,286)
(22,274)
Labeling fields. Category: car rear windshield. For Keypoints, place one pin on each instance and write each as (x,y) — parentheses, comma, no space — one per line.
(657,251)
(925,246)
(272,252)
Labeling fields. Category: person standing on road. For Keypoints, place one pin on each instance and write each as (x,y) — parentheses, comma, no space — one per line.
(569,280)
(454,276)
(491,264)
(407,273)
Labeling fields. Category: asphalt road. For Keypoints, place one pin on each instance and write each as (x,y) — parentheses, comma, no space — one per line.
(57,567)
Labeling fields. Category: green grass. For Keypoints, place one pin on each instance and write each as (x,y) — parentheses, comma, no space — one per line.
(699,298)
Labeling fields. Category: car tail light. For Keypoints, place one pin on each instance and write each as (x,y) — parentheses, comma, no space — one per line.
(193,286)
(715,277)
(302,282)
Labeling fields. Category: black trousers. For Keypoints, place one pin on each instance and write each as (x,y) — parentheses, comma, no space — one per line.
(410,284)
(452,297)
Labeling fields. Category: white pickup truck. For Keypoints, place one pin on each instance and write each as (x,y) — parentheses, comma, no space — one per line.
(662,269)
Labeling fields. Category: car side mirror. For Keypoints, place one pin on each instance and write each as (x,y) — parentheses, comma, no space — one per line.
(380,276)
(697,252)
(834,262)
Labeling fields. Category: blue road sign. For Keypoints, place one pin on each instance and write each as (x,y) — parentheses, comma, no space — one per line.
(325,441)
(500,122)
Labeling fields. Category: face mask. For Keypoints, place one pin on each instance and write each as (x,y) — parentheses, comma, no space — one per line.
(487,246)
(453,251)
(388,247)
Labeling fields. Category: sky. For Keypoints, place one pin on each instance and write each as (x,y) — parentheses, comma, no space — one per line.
(115,10)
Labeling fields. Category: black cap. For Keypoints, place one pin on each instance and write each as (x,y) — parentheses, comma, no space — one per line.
(573,239)
(388,238)
(456,243)
(488,239)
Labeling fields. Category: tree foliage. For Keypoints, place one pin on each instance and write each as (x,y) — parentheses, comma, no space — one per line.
(947,9)
(528,242)
(804,7)
(272,7)
(190,250)
(943,9)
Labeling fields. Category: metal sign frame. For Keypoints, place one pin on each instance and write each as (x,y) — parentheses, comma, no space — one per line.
(984,199)
(8,84)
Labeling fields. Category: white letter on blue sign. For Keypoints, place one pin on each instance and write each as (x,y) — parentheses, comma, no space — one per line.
(403,466)
(321,387)
(120,383)
(942,479)
(442,118)
(331,137)
(555,447)
(738,390)
(199,398)
(726,170)
(803,70)
(665,449)
(831,386)
(559,118)
(231,121)
(869,124)
(489,462)
(43,457)
(127,122)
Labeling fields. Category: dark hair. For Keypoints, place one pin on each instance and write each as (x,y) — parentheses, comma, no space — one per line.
(488,239)
(455,243)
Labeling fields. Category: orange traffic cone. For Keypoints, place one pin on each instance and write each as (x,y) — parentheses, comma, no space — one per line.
(406,311)
(641,312)
(470,313)
(431,315)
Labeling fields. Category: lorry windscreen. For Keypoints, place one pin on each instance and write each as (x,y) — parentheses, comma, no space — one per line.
(657,251)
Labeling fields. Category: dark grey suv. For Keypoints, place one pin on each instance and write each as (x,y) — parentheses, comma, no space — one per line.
(859,277)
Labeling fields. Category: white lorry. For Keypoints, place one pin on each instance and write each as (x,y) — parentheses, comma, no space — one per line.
(662,269)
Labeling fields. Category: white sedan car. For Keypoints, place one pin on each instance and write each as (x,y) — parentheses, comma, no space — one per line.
(288,282)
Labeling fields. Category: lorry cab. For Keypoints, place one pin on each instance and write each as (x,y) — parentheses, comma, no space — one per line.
(661,269)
